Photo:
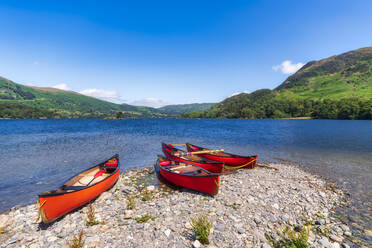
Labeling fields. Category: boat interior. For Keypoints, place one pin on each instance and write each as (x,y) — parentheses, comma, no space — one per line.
(185,169)
(84,179)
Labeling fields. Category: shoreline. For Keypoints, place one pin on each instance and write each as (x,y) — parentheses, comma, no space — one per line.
(251,207)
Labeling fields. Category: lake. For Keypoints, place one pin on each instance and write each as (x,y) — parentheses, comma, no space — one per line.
(38,155)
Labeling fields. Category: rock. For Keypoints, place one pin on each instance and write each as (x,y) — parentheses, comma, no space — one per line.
(344,245)
(167,232)
(188,225)
(320,222)
(368,232)
(5,220)
(92,241)
(196,244)
(336,238)
(220,227)
(104,227)
(265,245)
(345,228)
(325,242)
(104,196)
(128,214)
(275,206)
(52,239)
(150,188)
(241,230)
(335,245)
(250,199)
(347,233)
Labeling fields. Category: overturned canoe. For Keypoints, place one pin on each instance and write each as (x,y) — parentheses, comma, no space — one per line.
(79,190)
(178,155)
(187,175)
(231,161)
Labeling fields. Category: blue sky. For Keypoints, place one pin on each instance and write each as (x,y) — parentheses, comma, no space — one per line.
(159,52)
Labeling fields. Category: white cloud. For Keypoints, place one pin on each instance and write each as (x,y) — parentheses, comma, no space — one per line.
(36,62)
(237,93)
(107,95)
(287,67)
(61,87)
(150,102)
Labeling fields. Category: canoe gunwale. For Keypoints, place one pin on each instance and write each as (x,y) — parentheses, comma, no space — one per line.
(84,188)
(230,155)
(202,161)
(210,174)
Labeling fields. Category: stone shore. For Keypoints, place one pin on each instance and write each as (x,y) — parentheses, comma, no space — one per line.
(251,209)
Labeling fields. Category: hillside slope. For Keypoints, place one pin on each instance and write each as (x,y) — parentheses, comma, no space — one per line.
(60,103)
(180,109)
(339,87)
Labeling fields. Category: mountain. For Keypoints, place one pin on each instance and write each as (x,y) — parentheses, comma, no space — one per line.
(342,76)
(49,102)
(20,101)
(339,87)
(180,109)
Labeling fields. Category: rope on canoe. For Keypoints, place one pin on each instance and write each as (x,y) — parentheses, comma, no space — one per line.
(217,182)
(39,206)
(267,166)
(240,166)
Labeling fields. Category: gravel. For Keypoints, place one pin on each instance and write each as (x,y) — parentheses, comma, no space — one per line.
(250,206)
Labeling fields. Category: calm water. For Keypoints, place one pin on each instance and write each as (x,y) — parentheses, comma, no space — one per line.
(37,155)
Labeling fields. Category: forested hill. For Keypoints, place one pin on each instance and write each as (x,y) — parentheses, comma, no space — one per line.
(339,87)
(20,101)
(185,108)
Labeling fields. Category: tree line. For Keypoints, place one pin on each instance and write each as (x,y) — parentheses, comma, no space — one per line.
(343,109)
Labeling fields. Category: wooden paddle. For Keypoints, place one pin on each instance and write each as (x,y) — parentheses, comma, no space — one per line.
(98,174)
(199,152)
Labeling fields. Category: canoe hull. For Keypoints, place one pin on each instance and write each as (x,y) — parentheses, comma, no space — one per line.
(204,184)
(54,206)
(234,161)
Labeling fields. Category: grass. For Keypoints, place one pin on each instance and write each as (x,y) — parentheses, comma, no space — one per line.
(146,195)
(144,218)
(202,228)
(291,238)
(77,241)
(131,204)
(91,221)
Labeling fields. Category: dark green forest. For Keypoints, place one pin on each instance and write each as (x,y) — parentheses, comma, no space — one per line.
(343,109)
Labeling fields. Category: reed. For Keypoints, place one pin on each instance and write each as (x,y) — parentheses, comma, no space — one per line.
(202,228)
(91,221)
(77,241)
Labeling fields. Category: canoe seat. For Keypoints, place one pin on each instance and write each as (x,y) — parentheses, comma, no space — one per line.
(191,173)
(74,187)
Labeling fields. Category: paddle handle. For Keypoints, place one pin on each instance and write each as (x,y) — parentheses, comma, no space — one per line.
(199,152)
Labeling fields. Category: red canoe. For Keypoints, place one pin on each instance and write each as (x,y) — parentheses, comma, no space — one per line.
(187,175)
(231,161)
(171,153)
(79,190)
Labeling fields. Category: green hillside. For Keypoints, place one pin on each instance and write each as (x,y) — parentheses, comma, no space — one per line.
(342,76)
(180,109)
(66,104)
(339,87)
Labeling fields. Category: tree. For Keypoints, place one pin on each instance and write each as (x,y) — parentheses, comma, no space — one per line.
(119,115)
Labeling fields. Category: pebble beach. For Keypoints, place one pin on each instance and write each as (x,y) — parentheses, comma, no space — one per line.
(254,208)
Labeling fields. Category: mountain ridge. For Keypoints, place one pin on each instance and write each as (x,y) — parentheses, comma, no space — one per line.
(21,101)
(338,87)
